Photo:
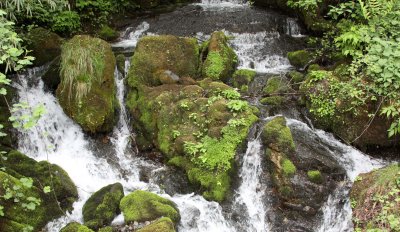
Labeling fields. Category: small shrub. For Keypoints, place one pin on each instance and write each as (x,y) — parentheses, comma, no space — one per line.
(66,22)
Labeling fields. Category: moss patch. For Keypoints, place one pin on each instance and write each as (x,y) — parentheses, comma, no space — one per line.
(101,208)
(141,206)
(288,167)
(221,59)
(315,176)
(277,134)
(300,58)
(242,78)
(75,227)
(161,225)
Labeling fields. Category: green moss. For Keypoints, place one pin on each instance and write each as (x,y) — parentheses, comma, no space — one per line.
(288,167)
(144,206)
(315,176)
(313,67)
(120,59)
(75,227)
(296,77)
(272,101)
(106,229)
(275,85)
(108,34)
(242,78)
(44,45)
(221,59)
(101,208)
(87,90)
(300,58)
(161,225)
(276,132)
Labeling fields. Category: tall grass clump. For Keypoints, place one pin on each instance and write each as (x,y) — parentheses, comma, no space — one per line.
(82,64)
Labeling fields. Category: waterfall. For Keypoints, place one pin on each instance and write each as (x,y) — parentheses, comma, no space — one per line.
(61,141)
(251,191)
(336,212)
(131,36)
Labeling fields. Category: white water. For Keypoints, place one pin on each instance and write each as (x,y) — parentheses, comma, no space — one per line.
(251,192)
(131,36)
(336,211)
(292,28)
(249,48)
(217,4)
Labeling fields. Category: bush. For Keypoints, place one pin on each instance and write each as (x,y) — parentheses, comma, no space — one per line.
(66,22)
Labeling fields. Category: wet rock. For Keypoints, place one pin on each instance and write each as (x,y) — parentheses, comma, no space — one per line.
(51,78)
(101,208)
(87,89)
(220,58)
(242,78)
(120,59)
(375,194)
(142,206)
(45,46)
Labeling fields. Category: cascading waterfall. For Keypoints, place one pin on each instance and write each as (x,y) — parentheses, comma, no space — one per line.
(336,212)
(251,192)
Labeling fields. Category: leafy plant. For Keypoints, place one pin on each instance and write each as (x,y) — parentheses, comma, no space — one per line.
(237,105)
(66,22)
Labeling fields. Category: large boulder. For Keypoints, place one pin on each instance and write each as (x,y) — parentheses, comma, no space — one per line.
(87,89)
(161,225)
(102,207)
(44,45)
(302,172)
(142,206)
(375,200)
(198,126)
(160,59)
(220,59)
(27,204)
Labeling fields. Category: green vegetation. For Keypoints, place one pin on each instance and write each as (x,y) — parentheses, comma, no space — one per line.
(144,206)
(276,132)
(315,176)
(75,227)
(288,167)
(300,58)
(376,200)
(102,207)
(161,225)
(242,78)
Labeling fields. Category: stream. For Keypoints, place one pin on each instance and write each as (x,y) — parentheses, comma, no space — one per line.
(261,40)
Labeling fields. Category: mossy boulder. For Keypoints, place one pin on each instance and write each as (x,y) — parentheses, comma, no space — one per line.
(18,169)
(161,225)
(220,60)
(375,200)
(102,207)
(141,206)
(154,55)
(296,77)
(300,58)
(75,227)
(179,117)
(44,174)
(45,46)
(242,78)
(120,58)
(107,33)
(87,90)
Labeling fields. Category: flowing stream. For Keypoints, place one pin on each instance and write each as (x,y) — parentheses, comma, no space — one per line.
(261,39)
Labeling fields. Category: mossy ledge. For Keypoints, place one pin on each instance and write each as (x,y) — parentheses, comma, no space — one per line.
(87,90)
(197,125)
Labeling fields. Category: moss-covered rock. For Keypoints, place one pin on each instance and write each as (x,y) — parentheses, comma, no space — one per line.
(242,78)
(45,46)
(273,101)
(300,58)
(106,229)
(107,33)
(375,200)
(296,77)
(221,60)
(191,123)
(44,174)
(278,135)
(276,85)
(101,208)
(18,168)
(161,225)
(120,58)
(141,206)
(87,89)
(75,227)
(155,55)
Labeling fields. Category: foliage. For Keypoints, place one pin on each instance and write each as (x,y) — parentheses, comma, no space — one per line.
(304,4)
(66,22)
(288,167)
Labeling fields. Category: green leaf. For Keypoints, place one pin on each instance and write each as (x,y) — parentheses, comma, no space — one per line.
(46,189)
(27,182)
